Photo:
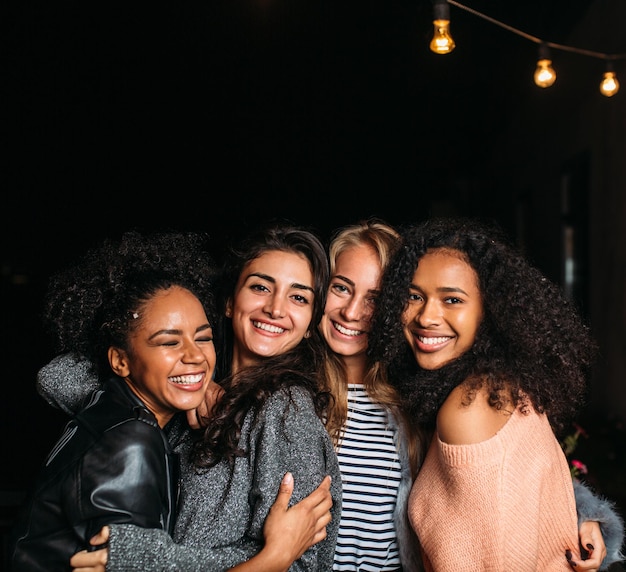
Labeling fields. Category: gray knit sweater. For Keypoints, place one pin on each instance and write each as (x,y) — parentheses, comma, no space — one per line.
(222,509)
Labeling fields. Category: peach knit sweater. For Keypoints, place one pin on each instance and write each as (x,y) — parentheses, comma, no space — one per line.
(506,504)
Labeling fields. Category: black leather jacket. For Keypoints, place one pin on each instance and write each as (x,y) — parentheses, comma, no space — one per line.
(113,464)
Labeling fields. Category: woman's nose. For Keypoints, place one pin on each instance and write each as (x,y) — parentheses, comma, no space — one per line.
(192,352)
(274,308)
(428,314)
(355,310)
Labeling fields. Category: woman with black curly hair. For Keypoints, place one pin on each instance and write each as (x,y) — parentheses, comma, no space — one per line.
(142,311)
(492,359)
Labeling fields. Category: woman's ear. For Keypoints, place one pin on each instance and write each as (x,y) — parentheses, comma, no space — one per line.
(229,308)
(118,360)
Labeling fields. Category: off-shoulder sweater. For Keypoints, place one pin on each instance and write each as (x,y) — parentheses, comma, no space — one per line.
(506,503)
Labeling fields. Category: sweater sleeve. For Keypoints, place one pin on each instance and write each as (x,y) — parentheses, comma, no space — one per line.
(66,382)
(132,548)
(601,510)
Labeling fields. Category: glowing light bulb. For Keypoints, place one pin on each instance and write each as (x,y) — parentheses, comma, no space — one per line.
(545,75)
(609,85)
(442,42)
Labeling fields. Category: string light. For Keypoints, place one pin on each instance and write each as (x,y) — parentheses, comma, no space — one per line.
(544,76)
(609,85)
(442,42)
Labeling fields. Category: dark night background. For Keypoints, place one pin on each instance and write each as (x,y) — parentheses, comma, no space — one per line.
(217,115)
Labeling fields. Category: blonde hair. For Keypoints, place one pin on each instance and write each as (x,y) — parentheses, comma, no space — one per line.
(384,240)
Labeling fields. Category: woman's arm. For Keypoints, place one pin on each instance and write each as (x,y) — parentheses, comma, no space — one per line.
(288,532)
(66,381)
(111,488)
(285,436)
(607,536)
(302,525)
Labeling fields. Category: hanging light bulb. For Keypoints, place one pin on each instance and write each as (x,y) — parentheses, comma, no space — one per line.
(545,75)
(442,42)
(609,85)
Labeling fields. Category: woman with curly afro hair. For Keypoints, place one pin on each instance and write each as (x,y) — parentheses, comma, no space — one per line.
(492,359)
(142,310)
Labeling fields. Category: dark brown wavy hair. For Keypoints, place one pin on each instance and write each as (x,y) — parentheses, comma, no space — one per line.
(249,389)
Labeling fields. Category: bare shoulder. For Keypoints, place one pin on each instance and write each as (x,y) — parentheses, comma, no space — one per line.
(459,423)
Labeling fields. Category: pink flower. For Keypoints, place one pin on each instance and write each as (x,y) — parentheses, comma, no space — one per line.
(579,467)
(569,444)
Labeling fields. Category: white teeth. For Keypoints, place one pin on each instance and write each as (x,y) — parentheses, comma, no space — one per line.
(268,327)
(433,341)
(186,379)
(346,331)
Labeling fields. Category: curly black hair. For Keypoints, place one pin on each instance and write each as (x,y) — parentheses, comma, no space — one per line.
(91,305)
(532,340)
(248,389)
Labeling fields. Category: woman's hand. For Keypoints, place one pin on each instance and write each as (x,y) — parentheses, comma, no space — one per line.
(304,524)
(95,559)
(592,542)
(290,532)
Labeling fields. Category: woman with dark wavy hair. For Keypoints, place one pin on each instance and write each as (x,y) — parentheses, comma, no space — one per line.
(492,359)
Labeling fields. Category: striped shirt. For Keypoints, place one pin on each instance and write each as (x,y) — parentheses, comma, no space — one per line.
(370,473)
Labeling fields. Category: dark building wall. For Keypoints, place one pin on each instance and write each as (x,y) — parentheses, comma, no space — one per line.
(561,163)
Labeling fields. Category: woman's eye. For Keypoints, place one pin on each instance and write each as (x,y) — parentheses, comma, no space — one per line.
(300,299)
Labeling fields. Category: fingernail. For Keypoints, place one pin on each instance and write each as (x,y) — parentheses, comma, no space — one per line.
(568,555)
(589,546)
